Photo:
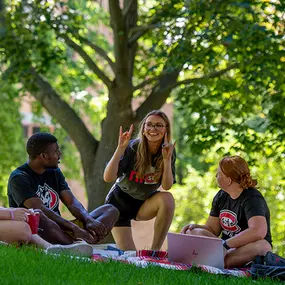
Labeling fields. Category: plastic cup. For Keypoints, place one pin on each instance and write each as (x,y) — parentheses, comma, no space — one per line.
(33,221)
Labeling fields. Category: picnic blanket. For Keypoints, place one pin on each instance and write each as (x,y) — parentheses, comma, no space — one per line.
(143,258)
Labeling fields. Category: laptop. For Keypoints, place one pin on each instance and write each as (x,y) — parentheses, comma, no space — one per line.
(192,249)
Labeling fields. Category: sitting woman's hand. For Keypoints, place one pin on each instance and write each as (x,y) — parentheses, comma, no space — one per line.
(190,227)
(19,214)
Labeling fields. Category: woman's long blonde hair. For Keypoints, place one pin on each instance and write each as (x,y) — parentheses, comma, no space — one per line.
(144,157)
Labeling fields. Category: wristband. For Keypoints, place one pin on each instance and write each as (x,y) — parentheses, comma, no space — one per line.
(225,245)
(12,215)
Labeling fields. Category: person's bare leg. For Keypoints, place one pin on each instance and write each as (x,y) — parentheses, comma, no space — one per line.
(238,257)
(18,231)
(107,214)
(123,238)
(14,231)
(161,205)
(51,232)
(39,242)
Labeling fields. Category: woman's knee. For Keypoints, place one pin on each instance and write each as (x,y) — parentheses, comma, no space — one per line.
(166,199)
(25,233)
(262,247)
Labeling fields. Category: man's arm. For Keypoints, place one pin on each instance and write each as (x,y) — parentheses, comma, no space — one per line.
(37,203)
(93,226)
(74,206)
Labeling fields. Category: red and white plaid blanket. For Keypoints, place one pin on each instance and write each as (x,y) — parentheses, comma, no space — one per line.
(143,258)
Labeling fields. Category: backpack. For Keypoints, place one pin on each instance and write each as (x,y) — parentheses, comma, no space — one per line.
(270,259)
(271,265)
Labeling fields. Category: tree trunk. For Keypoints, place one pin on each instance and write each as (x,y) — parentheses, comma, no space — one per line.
(119,113)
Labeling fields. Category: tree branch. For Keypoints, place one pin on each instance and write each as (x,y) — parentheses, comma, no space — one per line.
(205,77)
(121,51)
(97,49)
(66,116)
(91,64)
(2,18)
(167,82)
(158,95)
(146,82)
(127,8)
(139,34)
(139,31)
(143,28)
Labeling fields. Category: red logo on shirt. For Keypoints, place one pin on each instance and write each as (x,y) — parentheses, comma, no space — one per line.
(48,196)
(148,178)
(228,221)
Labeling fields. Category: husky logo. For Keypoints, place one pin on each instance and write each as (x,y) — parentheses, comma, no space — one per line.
(228,221)
(48,196)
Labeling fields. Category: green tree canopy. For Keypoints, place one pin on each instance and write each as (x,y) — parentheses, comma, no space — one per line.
(56,49)
(12,151)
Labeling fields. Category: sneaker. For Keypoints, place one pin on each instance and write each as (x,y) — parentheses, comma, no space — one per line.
(273,259)
(77,249)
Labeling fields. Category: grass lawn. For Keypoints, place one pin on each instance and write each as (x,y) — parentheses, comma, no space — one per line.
(28,266)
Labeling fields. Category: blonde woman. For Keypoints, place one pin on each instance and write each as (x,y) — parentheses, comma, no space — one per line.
(140,167)
(239,214)
(15,229)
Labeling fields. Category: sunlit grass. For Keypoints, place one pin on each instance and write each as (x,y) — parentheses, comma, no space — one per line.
(29,266)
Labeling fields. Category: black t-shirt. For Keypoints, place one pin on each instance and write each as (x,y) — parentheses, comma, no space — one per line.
(24,183)
(139,189)
(235,213)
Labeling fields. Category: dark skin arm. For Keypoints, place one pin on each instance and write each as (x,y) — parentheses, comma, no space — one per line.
(64,224)
(79,212)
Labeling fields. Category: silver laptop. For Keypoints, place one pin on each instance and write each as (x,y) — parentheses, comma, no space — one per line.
(191,249)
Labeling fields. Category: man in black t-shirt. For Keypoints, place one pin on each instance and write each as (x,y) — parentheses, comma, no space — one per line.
(40,184)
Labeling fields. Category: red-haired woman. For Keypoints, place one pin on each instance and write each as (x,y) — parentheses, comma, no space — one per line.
(140,167)
(239,212)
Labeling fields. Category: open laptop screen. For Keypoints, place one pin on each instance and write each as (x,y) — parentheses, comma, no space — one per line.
(192,249)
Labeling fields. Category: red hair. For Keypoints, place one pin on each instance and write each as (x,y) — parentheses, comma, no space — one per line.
(237,169)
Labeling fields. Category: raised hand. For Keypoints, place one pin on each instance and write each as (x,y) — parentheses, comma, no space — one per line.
(125,137)
(167,148)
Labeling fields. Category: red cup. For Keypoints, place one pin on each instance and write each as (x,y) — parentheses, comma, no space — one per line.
(33,221)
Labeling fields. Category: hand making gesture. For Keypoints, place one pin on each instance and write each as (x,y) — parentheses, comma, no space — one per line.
(125,137)
(167,148)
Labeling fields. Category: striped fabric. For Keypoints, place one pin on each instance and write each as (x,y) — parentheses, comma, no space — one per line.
(143,258)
